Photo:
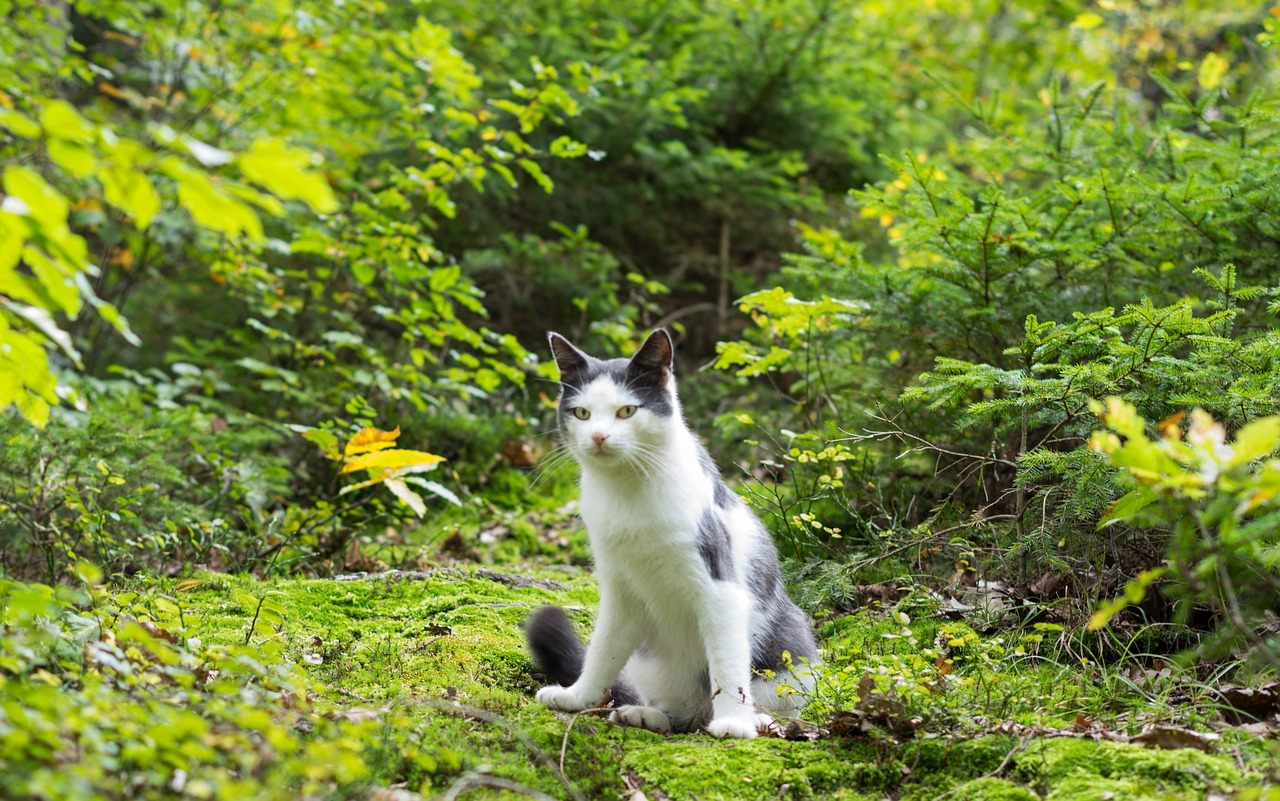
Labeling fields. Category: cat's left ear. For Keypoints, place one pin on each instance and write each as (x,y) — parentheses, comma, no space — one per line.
(657,354)
(571,361)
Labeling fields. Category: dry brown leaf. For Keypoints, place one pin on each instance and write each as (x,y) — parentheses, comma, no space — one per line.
(1174,737)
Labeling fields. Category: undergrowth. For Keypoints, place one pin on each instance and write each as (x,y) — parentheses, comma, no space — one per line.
(223,687)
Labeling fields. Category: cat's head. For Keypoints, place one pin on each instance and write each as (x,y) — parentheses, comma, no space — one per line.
(617,413)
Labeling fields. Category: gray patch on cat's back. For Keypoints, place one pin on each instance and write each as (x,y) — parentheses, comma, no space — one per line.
(714,546)
(788,632)
(719,491)
(763,578)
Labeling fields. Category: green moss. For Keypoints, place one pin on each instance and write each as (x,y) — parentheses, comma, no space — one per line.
(420,645)
(507,488)
(989,789)
(936,766)
(684,767)
(1079,769)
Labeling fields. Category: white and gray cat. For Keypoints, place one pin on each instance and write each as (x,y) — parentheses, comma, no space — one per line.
(693,612)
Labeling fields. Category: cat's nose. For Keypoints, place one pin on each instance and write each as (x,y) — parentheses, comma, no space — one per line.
(599,438)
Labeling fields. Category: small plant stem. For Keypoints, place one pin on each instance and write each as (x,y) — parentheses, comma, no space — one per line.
(253,624)
(1231,604)
(564,743)
(471,781)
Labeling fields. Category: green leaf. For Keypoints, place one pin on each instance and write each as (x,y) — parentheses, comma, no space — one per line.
(45,324)
(325,439)
(535,172)
(62,121)
(567,148)
(1256,440)
(42,202)
(131,192)
(1127,506)
(19,124)
(286,172)
(76,159)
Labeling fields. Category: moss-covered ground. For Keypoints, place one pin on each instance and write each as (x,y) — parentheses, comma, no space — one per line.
(429,668)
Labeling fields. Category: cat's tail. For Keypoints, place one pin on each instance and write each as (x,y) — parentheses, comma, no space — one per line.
(558,654)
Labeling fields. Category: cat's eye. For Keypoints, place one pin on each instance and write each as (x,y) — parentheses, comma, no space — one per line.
(581,413)
(625,412)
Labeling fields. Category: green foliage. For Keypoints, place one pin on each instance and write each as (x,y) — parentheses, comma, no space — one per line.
(130,484)
(259,189)
(150,710)
(1058,252)
(1216,502)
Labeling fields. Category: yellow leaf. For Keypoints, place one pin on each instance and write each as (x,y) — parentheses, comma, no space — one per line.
(371,439)
(392,460)
(1212,70)
(1087,21)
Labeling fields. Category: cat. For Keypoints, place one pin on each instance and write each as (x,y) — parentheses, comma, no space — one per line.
(695,629)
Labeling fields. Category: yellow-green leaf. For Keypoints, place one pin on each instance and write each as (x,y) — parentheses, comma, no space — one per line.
(287,172)
(131,192)
(19,124)
(56,280)
(1256,440)
(1127,506)
(1087,21)
(1212,70)
(72,157)
(62,121)
(215,209)
(41,201)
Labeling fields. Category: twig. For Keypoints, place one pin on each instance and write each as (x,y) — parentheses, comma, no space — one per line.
(471,781)
(564,743)
(457,709)
(925,445)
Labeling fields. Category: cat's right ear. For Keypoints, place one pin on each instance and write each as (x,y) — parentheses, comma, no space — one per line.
(571,361)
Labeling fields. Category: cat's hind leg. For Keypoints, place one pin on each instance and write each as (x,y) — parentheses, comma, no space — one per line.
(675,688)
(784,694)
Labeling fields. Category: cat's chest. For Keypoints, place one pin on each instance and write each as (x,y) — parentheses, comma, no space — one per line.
(671,501)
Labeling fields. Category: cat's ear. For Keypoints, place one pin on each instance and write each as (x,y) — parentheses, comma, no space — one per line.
(657,354)
(571,361)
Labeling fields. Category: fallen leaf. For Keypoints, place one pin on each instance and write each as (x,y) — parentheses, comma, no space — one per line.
(1174,737)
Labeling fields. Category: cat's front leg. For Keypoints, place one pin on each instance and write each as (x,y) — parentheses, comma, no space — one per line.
(618,632)
(723,624)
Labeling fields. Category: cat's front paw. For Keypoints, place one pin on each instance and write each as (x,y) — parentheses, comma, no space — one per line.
(642,717)
(565,699)
(742,728)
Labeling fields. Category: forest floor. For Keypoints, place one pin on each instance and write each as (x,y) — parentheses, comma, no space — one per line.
(431,664)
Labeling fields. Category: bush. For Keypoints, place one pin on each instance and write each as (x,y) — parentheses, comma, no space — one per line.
(978,403)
